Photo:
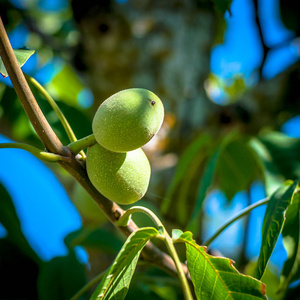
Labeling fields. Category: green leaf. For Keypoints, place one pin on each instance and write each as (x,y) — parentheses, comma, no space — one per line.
(115,283)
(66,86)
(22,56)
(207,180)
(216,277)
(291,241)
(205,183)
(280,158)
(9,219)
(194,149)
(176,233)
(273,223)
(236,168)
(61,278)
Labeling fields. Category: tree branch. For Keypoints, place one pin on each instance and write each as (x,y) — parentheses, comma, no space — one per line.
(266,48)
(75,167)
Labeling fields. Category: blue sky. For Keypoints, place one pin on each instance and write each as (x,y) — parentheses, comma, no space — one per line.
(241,52)
(46,217)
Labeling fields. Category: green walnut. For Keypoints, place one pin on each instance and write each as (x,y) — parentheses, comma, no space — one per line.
(120,177)
(128,120)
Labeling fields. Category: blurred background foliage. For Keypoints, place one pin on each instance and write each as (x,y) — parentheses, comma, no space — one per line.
(228,74)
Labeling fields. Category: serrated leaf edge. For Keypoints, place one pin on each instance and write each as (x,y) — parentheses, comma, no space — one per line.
(204,248)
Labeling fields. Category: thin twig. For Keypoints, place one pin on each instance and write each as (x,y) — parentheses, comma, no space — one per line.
(83,143)
(239,215)
(61,116)
(266,48)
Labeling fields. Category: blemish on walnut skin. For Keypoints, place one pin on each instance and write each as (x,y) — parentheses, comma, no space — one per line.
(152,102)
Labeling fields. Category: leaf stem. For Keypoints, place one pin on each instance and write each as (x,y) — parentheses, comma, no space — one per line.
(239,215)
(42,155)
(61,116)
(168,241)
(83,143)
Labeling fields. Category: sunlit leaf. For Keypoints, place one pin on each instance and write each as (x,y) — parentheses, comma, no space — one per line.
(216,277)
(176,233)
(116,281)
(66,86)
(236,89)
(291,241)
(273,223)
(22,56)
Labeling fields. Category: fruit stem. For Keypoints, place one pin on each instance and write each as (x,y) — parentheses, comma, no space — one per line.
(239,215)
(55,107)
(184,283)
(42,155)
(125,217)
(81,144)
(168,241)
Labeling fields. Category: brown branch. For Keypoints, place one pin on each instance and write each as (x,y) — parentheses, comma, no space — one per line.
(74,167)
